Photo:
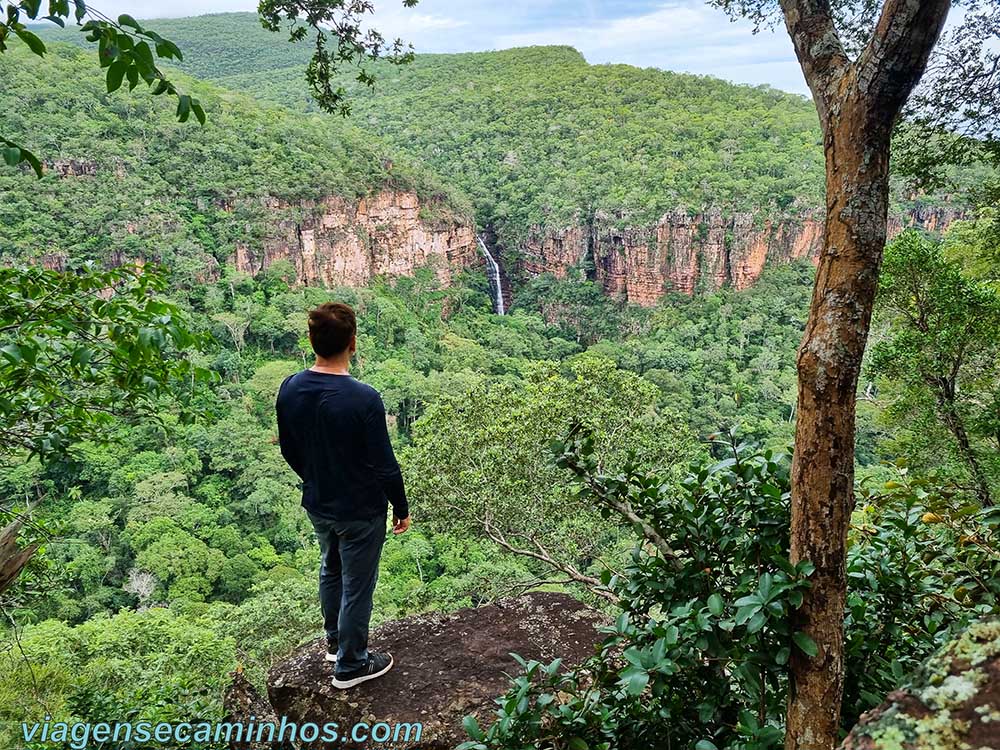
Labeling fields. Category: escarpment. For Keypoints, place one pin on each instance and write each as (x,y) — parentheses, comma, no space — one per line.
(340,242)
(686,253)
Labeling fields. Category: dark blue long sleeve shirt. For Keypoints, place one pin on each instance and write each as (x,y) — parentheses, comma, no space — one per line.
(332,432)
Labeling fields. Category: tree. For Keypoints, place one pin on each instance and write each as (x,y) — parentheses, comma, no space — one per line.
(77,351)
(862,61)
(479,467)
(943,345)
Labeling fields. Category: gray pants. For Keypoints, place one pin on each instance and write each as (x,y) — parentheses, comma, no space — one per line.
(347,575)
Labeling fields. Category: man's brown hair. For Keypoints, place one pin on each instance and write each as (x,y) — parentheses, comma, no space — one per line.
(332,325)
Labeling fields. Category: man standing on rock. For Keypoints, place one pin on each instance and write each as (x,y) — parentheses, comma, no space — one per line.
(333,434)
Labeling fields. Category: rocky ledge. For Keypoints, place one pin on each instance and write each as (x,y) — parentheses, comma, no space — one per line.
(953,704)
(447,666)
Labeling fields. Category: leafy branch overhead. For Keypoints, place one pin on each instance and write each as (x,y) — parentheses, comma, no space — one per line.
(953,114)
(126,50)
(341,39)
(80,351)
(129,52)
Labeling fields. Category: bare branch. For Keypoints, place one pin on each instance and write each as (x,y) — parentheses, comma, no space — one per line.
(542,555)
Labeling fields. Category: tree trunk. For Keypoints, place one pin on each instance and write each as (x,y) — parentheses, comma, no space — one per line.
(858,103)
(829,362)
(949,413)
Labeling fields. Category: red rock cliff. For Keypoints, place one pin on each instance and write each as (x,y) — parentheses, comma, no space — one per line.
(684,253)
(338,242)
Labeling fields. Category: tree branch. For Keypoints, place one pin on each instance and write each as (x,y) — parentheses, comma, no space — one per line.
(819,49)
(542,555)
(895,58)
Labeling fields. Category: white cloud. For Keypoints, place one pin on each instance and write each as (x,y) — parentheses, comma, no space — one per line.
(680,36)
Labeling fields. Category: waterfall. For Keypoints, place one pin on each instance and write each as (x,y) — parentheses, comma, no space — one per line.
(494,274)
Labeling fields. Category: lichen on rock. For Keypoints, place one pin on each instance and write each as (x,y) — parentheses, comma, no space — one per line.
(953,704)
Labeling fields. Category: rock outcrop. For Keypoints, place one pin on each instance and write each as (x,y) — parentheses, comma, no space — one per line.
(447,666)
(685,253)
(954,703)
(340,242)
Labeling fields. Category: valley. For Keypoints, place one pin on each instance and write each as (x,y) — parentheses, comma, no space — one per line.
(580,293)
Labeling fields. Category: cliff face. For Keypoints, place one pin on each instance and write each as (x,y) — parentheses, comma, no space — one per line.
(685,253)
(337,242)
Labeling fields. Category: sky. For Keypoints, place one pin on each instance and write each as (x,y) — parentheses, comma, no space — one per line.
(680,35)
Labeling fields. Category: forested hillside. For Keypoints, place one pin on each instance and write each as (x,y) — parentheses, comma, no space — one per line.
(538,136)
(128,181)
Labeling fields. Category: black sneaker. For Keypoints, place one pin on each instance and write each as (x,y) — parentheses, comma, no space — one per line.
(378,665)
(331,650)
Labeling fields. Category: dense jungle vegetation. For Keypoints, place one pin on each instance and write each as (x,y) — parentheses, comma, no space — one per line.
(174,549)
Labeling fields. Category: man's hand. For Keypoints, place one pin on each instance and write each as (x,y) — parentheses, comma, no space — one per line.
(400,525)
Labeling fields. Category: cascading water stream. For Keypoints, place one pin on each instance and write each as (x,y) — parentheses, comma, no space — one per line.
(494,274)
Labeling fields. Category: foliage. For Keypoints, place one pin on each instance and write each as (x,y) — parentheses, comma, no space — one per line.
(951,117)
(153,665)
(132,184)
(975,242)
(698,651)
(77,350)
(923,562)
(126,51)
(697,657)
(465,447)
(555,148)
(352,42)
(942,356)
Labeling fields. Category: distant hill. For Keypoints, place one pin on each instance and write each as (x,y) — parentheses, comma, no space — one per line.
(643,180)
(538,136)
(216,45)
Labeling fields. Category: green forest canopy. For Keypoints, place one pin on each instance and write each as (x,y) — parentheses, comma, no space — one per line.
(537,135)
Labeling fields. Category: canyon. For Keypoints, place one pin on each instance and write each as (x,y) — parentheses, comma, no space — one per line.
(686,254)
(339,242)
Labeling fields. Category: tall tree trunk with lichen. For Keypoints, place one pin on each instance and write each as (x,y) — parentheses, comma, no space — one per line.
(858,102)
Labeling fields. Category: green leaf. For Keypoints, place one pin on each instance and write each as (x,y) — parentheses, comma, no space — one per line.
(183,107)
(635,681)
(472,728)
(716,605)
(12,353)
(578,743)
(12,155)
(804,642)
(126,20)
(32,160)
(705,745)
(35,44)
(116,72)
(144,59)
(199,115)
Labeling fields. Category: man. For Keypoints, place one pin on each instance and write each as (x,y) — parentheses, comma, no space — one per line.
(332,433)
